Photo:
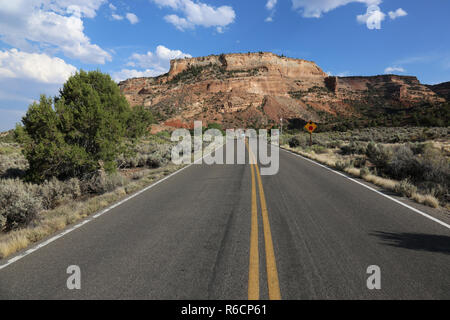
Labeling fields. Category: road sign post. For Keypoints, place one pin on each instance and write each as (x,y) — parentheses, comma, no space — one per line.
(281,123)
(310,127)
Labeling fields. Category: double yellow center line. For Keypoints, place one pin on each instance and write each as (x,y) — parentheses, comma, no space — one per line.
(271,265)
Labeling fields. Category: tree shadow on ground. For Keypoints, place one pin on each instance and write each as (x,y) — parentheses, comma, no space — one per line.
(13,173)
(415,241)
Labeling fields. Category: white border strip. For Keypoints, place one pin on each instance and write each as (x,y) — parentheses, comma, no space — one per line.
(95,216)
(374,190)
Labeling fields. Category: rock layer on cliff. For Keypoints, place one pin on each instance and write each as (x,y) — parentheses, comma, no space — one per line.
(257,89)
(442,89)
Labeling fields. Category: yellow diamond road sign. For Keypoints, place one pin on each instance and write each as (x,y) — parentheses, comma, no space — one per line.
(310,127)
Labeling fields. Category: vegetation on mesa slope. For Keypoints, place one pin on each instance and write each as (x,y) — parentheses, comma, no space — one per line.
(375,108)
(211,70)
(423,115)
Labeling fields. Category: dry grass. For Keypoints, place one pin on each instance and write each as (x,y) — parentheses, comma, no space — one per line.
(428,200)
(353,171)
(330,160)
(388,184)
(326,158)
(13,243)
(57,219)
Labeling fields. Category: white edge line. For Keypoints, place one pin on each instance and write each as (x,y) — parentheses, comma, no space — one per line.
(374,190)
(95,216)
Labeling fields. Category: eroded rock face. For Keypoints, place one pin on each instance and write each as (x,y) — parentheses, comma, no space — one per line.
(271,63)
(257,89)
(401,91)
(442,89)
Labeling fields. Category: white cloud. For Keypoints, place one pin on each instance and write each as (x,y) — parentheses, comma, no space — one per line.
(151,63)
(372,18)
(179,23)
(86,8)
(116,17)
(159,60)
(42,24)
(197,14)
(24,76)
(397,13)
(394,69)
(125,74)
(112,7)
(174,4)
(34,66)
(164,53)
(271,4)
(132,18)
(316,8)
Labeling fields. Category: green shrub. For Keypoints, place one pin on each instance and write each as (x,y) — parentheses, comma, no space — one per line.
(164,134)
(73,187)
(342,165)
(417,148)
(353,148)
(334,144)
(151,154)
(81,130)
(102,182)
(379,155)
(430,169)
(3,221)
(405,188)
(190,73)
(319,149)
(18,203)
(359,162)
(156,160)
(364,172)
(298,141)
(8,136)
(404,164)
(294,142)
(52,192)
(139,174)
(138,122)
(216,126)
(435,167)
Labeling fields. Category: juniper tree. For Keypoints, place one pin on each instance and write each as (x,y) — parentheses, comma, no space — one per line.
(80,130)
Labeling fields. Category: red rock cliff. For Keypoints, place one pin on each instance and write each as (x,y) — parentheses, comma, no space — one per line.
(257,89)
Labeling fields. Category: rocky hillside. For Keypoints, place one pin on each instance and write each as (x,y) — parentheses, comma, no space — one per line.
(257,89)
(442,89)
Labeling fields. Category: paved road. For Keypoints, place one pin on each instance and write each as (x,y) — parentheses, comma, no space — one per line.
(223,232)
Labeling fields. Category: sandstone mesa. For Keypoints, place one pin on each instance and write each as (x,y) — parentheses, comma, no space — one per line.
(257,89)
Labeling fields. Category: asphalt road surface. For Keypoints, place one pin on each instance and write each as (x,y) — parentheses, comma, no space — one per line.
(225,232)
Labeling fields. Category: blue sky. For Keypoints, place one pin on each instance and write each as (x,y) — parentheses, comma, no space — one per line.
(42,42)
